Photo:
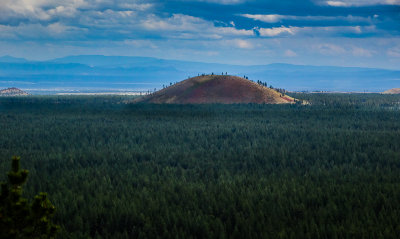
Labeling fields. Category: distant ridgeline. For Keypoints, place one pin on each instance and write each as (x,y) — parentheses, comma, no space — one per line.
(142,73)
(222,89)
(12,92)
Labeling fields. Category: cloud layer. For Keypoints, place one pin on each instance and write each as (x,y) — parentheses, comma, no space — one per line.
(205,29)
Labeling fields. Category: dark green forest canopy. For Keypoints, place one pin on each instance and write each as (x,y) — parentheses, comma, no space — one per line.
(116,170)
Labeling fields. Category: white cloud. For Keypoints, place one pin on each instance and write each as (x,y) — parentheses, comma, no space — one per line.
(128,24)
(332,31)
(329,49)
(274,18)
(314,31)
(136,6)
(232,31)
(37,31)
(62,11)
(361,52)
(189,27)
(39,9)
(290,53)
(337,4)
(242,44)
(270,18)
(224,2)
(44,11)
(108,20)
(348,3)
(393,2)
(7,33)
(141,43)
(132,21)
(276,31)
(393,52)
(178,22)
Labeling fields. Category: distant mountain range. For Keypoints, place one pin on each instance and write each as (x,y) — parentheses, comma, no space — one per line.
(113,73)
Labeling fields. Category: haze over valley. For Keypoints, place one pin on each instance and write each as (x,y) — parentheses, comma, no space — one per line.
(95,73)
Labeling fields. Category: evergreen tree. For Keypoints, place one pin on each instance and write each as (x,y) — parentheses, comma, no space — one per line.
(19,218)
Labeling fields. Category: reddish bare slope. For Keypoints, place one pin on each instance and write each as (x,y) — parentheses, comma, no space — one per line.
(12,92)
(216,89)
(392,91)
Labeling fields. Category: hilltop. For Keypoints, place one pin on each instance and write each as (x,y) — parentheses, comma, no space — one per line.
(12,92)
(222,89)
(392,91)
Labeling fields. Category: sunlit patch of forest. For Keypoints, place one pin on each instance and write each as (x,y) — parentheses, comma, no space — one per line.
(116,170)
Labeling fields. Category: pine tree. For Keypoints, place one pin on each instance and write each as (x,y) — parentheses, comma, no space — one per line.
(19,218)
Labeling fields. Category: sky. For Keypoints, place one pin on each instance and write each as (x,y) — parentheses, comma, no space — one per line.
(363,33)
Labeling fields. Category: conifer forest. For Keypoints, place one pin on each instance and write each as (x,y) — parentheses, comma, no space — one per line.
(114,169)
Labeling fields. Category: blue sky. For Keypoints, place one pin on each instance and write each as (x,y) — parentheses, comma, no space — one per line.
(315,32)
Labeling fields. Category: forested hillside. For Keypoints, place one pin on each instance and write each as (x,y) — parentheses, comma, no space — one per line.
(116,170)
